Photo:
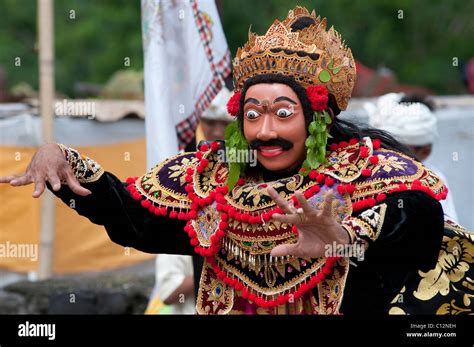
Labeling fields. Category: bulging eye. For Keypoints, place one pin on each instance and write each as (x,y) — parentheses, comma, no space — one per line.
(251,114)
(284,113)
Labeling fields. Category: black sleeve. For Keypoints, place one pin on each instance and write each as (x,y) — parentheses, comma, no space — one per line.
(411,234)
(410,240)
(125,220)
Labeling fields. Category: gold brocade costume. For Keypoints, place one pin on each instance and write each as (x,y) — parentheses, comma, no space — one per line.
(245,249)
(449,287)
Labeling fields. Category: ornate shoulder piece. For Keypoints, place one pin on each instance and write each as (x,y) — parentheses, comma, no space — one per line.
(347,161)
(163,187)
(85,169)
(389,172)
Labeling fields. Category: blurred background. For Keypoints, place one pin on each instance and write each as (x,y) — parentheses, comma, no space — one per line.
(423,46)
(417,49)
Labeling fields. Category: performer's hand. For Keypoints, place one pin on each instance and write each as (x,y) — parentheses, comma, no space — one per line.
(316,229)
(47,165)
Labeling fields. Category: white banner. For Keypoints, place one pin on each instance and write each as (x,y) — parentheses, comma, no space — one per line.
(186,60)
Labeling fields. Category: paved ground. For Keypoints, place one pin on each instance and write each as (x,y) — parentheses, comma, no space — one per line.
(146,268)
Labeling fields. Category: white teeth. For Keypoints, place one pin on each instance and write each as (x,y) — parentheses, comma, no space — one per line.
(271,150)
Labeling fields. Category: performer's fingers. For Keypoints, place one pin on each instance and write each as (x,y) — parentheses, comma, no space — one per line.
(287,218)
(39,188)
(75,186)
(21,181)
(54,181)
(303,202)
(285,249)
(291,206)
(279,200)
(327,208)
(7,179)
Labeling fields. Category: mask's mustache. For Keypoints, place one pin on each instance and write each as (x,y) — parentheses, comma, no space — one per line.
(284,144)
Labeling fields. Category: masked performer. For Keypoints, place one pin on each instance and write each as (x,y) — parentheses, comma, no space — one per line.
(330,219)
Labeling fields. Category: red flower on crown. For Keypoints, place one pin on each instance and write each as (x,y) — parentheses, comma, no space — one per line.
(233,105)
(318,97)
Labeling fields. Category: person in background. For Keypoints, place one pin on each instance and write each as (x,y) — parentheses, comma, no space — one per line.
(174,286)
(410,118)
(177,276)
(213,121)
(468,75)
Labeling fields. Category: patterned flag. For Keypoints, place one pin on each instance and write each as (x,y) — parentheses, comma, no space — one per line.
(186,60)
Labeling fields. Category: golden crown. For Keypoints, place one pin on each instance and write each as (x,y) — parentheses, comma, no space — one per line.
(334,67)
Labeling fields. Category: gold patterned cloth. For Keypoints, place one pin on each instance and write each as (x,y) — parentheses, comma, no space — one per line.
(448,289)
(84,168)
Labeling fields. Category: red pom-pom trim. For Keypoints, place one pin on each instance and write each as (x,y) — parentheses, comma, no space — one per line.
(146,203)
(364,151)
(341,189)
(329,181)
(313,174)
(376,143)
(381,197)
(215,146)
(294,229)
(343,144)
(131,180)
(248,294)
(320,178)
(350,188)
(333,147)
(374,159)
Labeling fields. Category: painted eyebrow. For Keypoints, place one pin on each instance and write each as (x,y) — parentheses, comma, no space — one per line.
(253,101)
(284,98)
(280,98)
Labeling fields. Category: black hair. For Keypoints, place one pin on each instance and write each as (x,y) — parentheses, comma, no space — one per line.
(418,98)
(343,130)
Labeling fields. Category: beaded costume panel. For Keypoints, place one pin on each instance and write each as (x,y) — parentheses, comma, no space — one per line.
(234,231)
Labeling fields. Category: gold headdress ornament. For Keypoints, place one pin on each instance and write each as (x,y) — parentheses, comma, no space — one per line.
(334,67)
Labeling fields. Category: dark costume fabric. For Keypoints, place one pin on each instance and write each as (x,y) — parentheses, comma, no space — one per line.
(413,262)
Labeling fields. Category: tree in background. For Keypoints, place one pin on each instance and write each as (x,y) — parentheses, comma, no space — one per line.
(93,39)
(424,42)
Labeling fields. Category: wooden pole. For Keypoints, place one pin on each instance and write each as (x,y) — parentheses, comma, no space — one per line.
(46,95)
